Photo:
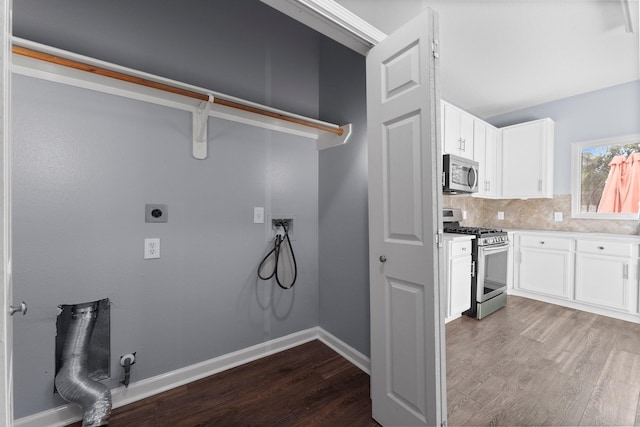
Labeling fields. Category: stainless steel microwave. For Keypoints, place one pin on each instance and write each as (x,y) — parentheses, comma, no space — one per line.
(459,175)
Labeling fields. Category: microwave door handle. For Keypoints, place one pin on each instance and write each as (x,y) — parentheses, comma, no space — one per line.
(475,177)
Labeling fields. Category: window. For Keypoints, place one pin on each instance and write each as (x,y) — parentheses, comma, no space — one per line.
(605,178)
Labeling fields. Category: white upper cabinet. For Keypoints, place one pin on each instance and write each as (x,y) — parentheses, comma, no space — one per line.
(484,148)
(457,132)
(527,160)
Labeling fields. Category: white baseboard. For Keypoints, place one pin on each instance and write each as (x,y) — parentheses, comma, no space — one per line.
(70,413)
(352,355)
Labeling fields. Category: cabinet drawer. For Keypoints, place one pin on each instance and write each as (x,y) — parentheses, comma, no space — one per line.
(546,242)
(460,248)
(603,247)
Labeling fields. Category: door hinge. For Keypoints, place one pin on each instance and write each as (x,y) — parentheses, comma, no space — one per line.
(443,424)
(625,271)
(435,48)
(473,269)
(439,239)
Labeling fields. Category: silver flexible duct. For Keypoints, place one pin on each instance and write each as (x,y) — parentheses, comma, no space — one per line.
(72,380)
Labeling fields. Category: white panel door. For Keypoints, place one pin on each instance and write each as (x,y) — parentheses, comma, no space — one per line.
(403,109)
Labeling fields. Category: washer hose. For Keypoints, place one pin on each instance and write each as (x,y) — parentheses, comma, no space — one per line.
(278,241)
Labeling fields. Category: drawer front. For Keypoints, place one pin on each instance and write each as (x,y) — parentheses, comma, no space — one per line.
(546,242)
(603,247)
(460,248)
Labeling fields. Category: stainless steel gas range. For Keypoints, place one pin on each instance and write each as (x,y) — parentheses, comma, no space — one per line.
(490,251)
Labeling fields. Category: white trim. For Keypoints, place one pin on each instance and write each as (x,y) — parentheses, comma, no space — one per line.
(6,293)
(57,73)
(346,351)
(576,183)
(602,311)
(70,413)
(332,20)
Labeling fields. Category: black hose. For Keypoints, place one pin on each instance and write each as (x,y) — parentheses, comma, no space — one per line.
(278,240)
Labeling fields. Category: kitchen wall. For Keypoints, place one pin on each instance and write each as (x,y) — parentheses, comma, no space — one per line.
(605,113)
(85,163)
(344,232)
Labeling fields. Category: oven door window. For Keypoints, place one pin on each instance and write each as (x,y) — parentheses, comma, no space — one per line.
(494,272)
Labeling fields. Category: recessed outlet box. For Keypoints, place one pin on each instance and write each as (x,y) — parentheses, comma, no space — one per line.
(278,227)
(155,212)
(501,216)
(557,216)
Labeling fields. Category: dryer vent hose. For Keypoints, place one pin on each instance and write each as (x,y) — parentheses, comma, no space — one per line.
(72,380)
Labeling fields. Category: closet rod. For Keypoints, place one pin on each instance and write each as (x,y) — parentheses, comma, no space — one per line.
(31,53)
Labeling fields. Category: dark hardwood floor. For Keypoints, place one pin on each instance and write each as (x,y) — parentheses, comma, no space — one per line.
(309,385)
(529,364)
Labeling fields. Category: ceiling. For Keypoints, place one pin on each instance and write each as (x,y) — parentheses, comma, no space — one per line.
(498,56)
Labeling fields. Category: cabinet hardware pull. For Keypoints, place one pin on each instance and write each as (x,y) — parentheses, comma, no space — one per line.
(542,242)
(625,271)
(601,248)
(473,269)
(383,258)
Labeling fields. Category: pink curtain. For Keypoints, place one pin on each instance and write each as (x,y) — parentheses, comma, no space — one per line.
(622,190)
(611,200)
(630,192)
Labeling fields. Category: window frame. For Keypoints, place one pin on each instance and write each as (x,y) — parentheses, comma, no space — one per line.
(576,174)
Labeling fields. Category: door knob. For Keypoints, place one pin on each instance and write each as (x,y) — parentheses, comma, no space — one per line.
(22,308)
(383,258)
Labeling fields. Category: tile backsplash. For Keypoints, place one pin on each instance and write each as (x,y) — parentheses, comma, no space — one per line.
(534,214)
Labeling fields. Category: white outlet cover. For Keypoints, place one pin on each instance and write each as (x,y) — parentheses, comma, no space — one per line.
(152,248)
(258,215)
(557,216)
(500,215)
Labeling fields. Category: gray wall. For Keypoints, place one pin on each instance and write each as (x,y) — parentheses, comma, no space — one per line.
(605,113)
(344,234)
(85,163)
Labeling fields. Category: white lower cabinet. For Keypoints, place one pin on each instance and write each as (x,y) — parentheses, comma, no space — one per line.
(597,274)
(544,265)
(603,274)
(457,274)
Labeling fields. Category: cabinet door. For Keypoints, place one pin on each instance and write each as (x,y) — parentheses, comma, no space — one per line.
(479,155)
(546,272)
(602,280)
(457,131)
(466,135)
(527,160)
(459,285)
(451,129)
(490,176)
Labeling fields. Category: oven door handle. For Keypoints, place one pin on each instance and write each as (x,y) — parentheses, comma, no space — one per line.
(494,249)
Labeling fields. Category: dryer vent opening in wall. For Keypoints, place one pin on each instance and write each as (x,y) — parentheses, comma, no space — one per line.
(98,366)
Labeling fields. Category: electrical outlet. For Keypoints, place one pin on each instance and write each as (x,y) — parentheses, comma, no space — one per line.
(557,216)
(151,248)
(501,216)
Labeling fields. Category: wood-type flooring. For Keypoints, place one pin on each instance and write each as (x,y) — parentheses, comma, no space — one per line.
(529,364)
(538,364)
(308,385)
